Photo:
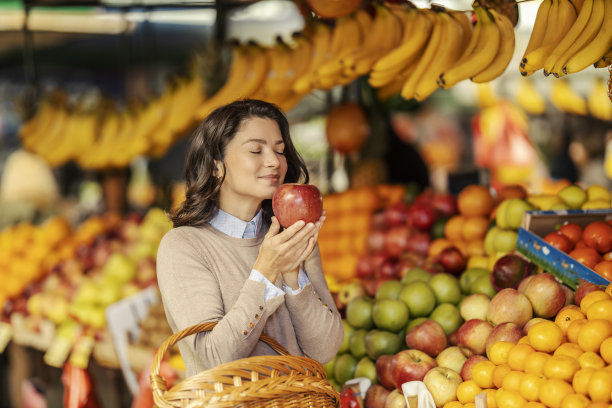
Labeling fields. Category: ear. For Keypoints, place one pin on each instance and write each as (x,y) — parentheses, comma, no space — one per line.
(219,169)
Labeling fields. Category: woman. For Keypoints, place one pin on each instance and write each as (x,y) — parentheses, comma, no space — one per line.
(227,261)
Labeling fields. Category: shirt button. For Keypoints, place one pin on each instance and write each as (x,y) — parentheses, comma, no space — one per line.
(260,307)
(251,325)
(244,332)
(257,316)
(325,304)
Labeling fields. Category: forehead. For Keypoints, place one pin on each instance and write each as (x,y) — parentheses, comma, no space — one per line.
(258,128)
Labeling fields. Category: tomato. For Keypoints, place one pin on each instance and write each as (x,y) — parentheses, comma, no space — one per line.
(598,235)
(604,268)
(573,231)
(559,241)
(586,256)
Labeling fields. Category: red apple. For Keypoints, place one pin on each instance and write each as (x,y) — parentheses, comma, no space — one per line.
(508,271)
(418,242)
(364,268)
(466,370)
(395,215)
(384,371)
(386,270)
(421,216)
(411,365)
(584,288)
(377,220)
(444,203)
(453,338)
(376,240)
(523,284)
(503,332)
(546,295)
(531,322)
(395,400)
(428,336)
(442,383)
(453,357)
(396,241)
(569,295)
(473,335)
(292,202)
(376,396)
(509,305)
(452,260)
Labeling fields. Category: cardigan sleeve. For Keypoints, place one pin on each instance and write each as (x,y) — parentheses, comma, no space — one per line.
(316,320)
(191,295)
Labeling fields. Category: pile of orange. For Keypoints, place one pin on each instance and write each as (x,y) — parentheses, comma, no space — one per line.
(467,230)
(565,363)
(344,234)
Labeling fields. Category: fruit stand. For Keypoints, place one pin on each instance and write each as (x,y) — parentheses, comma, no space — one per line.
(468,198)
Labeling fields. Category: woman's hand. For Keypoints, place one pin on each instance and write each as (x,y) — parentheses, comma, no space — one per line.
(283,252)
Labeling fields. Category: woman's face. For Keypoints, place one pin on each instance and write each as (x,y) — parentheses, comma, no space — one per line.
(255,164)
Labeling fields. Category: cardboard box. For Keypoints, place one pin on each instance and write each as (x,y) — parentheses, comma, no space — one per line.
(536,224)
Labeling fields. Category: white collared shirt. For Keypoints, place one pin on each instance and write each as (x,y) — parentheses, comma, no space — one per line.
(236,228)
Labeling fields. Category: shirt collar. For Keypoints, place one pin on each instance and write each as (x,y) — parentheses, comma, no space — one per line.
(235,227)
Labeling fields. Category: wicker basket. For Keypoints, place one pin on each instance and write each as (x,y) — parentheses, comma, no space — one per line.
(252,382)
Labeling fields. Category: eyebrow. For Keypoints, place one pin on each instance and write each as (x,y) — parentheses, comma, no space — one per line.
(262,141)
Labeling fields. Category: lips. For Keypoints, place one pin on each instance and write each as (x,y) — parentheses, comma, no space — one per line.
(271,177)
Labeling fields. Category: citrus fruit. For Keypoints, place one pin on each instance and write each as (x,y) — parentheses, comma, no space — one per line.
(575,401)
(561,367)
(569,349)
(602,309)
(482,374)
(566,316)
(605,350)
(530,386)
(498,352)
(573,330)
(592,297)
(491,397)
(600,386)
(499,373)
(535,363)
(467,390)
(474,227)
(509,399)
(517,356)
(475,200)
(553,391)
(534,404)
(590,359)
(453,228)
(581,379)
(512,381)
(593,333)
(453,404)
(545,336)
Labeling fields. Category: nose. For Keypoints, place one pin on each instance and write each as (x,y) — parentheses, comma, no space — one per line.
(272,160)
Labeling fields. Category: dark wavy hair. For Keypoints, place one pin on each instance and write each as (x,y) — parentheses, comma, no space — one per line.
(208,144)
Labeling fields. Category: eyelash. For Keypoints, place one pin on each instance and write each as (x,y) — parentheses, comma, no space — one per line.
(281,153)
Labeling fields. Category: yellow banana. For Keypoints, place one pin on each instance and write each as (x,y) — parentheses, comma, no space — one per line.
(408,50)
(321,40)
(423,63)
(581,21)
(594,50)
(565,16)
(484,53)
(597,100)
(466,26)
(447,54)
(605,61)
(504,53)
(539,27)
(529,98)
(564,98)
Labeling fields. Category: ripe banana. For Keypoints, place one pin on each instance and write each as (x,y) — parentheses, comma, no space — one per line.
(487,46)
(504,53)
(320,38)
(529,98)
(571,36)
(593,51)
(562,16)
(597,100)
(605,61)
(539,27)
(446,55)
(466,26)
(409,87)
(564,98)
(405,53)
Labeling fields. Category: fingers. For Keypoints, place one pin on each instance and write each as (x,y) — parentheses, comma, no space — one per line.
(274,227)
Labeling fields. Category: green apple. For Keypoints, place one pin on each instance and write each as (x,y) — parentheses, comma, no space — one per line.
(389,290)
(446,288)
(357,343)
(419,297)
(448,316)
(415,322)
(359,313)
(329,367)
(489,240)
(344,369)
(500,214)
(389,314)
(379,342)
(470,275)
(514,212)
(573,196)
(348,332)
(505,240)
(483,285)
(366,368)
(416,274)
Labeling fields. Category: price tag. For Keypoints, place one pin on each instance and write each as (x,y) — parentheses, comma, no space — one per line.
(82,351)
(58,352)
(6,334)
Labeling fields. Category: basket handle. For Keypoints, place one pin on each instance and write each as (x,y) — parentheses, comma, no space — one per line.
(198,328)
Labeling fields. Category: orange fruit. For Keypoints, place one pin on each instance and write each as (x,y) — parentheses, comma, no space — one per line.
(530,386)
(475,247)
(545,336)
(609,287)
(574,329)
(567,315)
(513,379)
(467,390)
(469,405)
(453,404)
(475,200)
(600,386)
(437,245)
(561,367)
(592,360)
(491,397)
(601,309)
(509,399)
(591,298)
(475,227)
(575,401)
(536,361)
(523,340)
(598,405)
(581,379)
(499,373)
(498,352)
(453,228)
(569,349)
(534,404)
(605,350)
(553,392)
(593,333)
(518,355)
(482,374)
